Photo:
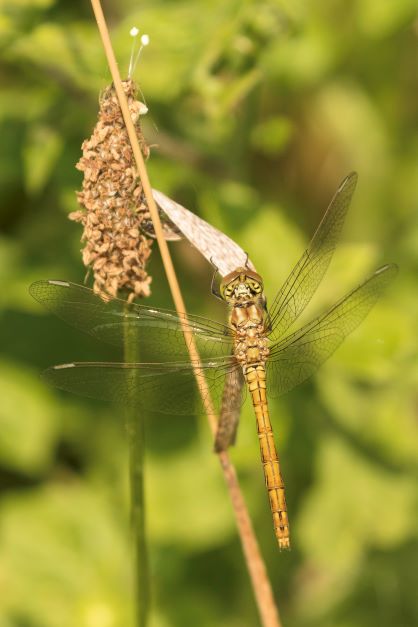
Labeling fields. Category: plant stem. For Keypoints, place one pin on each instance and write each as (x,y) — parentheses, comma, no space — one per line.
(267,608)
(136,441)
(135,429)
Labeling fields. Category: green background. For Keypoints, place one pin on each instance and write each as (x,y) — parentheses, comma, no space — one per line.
(257,110)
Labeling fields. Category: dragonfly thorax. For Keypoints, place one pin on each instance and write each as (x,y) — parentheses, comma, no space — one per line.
(251,343)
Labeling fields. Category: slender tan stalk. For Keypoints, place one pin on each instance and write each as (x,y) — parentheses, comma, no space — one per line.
(261,585)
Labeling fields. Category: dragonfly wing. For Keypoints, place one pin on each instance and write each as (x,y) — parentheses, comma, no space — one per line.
(232,399)
(305,277)
(169,388)
(219,249)
(299,355)
(158,332)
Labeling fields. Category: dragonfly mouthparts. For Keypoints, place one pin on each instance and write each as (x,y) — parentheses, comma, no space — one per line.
(242,291)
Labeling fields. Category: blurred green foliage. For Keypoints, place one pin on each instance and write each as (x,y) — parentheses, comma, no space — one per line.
(257,110)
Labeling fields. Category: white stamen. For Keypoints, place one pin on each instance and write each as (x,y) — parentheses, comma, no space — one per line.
(134,34)
(134,60)
(144,42)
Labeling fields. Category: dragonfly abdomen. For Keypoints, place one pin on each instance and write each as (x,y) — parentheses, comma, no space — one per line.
(255,376)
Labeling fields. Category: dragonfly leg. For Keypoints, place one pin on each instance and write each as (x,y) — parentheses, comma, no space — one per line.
(213,289)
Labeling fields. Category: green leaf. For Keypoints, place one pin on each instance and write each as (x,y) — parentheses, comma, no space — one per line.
(354,504)
(186,499)
(40,154)
(272,136)
(63,558)
(27,420)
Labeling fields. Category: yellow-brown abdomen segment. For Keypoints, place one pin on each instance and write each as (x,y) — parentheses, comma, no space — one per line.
(256,380)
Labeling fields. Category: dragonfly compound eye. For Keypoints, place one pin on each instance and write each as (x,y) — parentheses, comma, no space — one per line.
(255,287)
(227,290)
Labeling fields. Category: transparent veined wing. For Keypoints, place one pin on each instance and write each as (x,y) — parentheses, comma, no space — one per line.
(168,387)
(305,277)
(232,398)
(219,249)
(158,332)
(224,254)
(300,354)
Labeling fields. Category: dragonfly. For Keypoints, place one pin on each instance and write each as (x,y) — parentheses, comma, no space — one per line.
(254,345)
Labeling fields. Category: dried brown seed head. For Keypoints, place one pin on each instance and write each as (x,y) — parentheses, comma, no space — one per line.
(113,202)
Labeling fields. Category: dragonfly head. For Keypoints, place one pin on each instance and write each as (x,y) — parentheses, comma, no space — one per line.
(241,285)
